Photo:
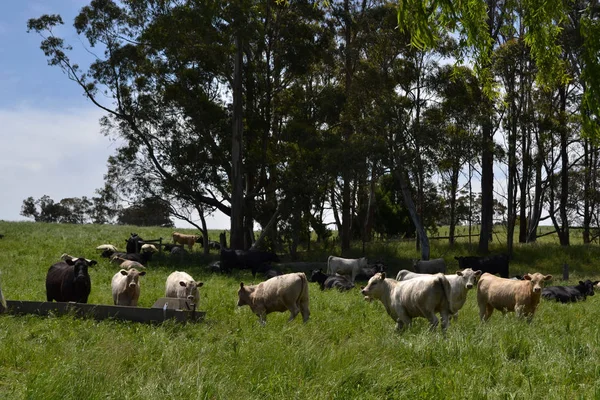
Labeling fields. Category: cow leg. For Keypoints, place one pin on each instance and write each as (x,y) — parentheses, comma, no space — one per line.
(485,311)
(262,318)
(433,320)
(305,311)
(294,310)
(445,319)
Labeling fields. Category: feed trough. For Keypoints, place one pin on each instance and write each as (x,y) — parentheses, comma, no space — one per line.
(164,309)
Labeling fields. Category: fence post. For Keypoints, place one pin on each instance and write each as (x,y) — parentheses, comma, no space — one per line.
(565,272)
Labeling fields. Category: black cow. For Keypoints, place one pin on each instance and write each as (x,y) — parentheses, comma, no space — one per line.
(134,243)
(367,273)
(568,294)
(272,273)
(214,245)
(69,280)
(497,264)
(256,260)
(330,281)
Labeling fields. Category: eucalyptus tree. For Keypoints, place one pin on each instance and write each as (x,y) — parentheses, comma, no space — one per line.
(166,72)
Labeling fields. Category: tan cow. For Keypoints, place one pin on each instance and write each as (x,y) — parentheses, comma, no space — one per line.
(188,240)
(418,297)
(125,286)
(281,293)
(508,295)
(181,285)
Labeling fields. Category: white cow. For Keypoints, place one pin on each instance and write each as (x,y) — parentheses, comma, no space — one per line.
(405,300)
(460,284)
(182,285)
(125,287)
(281,293)
(346,266)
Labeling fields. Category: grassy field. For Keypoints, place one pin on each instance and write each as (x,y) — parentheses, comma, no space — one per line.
(347,350)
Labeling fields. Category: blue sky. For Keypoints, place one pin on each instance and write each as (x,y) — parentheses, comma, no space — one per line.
(50,140)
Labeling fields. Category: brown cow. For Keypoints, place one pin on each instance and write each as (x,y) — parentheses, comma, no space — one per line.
(508,295)
(126,287)
(183,239)
(281,293)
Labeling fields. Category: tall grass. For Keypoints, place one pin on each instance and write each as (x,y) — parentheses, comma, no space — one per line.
(348,349)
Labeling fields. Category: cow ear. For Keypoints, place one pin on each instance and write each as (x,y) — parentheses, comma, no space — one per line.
(199,284)
(382,275)
(527,277)
(478,273)
(93,262)
(547,277)
(182,283)
(142,273)
(595,283)
(123,272)
(241,285)
(71,261)
(459,273)
(582,283)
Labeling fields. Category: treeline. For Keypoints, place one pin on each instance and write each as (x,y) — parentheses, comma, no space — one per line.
(280,113)
(81,210)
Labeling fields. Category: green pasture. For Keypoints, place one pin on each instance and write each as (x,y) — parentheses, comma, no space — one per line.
(347,350)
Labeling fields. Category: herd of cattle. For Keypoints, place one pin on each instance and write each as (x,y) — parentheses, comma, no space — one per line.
(424,292)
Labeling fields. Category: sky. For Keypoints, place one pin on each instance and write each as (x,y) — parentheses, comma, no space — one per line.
(50,139)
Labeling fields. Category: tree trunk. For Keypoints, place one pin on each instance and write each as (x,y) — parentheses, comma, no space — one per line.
(587,168)
(410,205)
(453,191)
(237,195)
(512,168)
(347,129)
(487,185)
(564,172)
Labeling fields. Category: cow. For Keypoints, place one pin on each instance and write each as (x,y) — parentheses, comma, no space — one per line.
(141,258)
(437,265)
(508,295)
(214,245)
(69,280)
(460,283)
(182,285)
(255,260)
(345,266)
(125,286)
(128,264)
(278,294)
(271,273)
(186,240)
(134,243)
(405,300)
(325,281)
(368,272)
(496,264)
(568,294)
(104,247)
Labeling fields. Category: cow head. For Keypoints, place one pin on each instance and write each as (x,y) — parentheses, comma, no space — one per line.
(469,277)
(80,268)
(244,293)
(318,276)
(375,286)
(133,276)
(588,287)
(537,281)
(191,289)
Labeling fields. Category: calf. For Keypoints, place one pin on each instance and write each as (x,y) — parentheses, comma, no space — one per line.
(437,265)
(345,266)
(325,281)
(508,295)
(405,300)
(568,294)
(182,285)
(126,287)
(69,280)
(184,239)
(497,264)
(281,293)
(134,243)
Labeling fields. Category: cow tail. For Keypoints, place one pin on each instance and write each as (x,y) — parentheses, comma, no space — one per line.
(328,265)
(447,292)
(304,292)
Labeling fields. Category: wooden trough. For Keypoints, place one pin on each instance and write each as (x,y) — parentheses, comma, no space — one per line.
(164,309)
